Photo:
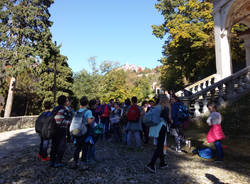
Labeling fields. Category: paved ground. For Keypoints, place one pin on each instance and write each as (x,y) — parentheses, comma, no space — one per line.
(12,142)
(19,165)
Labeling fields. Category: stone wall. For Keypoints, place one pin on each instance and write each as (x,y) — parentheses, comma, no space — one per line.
(14,123)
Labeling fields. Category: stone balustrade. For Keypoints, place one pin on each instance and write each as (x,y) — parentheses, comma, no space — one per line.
(200,85)
(222,92)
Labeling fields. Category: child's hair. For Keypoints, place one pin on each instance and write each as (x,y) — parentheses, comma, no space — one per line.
(213,105)
(92,102)
(47,105)
(134,99)
(127,102)
(61,100)
(84,101)
(144,103)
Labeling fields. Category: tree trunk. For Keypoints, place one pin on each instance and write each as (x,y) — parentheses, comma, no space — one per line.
(10,98)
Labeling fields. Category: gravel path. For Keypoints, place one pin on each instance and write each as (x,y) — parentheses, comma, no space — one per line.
(118,164)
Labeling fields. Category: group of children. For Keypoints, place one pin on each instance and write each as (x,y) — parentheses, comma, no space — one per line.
(118,122)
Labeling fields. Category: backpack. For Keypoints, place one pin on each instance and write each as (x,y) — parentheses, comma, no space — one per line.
(206,153)
(148,119)
(39,122)
(77,126)
(106,111)
(182,113)
(115,116)
(49,125)
(133,113)
(124,119)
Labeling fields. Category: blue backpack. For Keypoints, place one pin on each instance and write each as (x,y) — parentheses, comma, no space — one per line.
(206,153)
(148,118)
(182,113)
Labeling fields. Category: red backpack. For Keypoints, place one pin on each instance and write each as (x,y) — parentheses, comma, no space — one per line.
(106,111)
(133,113)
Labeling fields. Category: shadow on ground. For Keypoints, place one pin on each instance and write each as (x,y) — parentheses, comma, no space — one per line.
(118,164)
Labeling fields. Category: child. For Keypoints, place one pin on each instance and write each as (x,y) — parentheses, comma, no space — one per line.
(215,133)
(43,155)
(115,117)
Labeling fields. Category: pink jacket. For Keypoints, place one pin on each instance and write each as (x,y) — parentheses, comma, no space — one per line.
(215,133)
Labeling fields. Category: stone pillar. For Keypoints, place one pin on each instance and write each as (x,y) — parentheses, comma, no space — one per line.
(222,47)
(246,38)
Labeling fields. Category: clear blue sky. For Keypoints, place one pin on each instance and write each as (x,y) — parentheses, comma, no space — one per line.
(114,30)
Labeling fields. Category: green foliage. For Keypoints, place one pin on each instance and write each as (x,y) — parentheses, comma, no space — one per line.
(27,53)
(109,82)
(23,25)
(64,77)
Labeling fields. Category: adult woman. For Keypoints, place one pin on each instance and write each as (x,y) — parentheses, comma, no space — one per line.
(161,115)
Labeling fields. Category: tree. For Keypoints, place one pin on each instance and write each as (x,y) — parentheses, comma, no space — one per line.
(24,24)
(189,47)
(64,75)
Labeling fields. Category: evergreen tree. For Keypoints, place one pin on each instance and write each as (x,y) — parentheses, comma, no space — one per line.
(24,24)
(64,75)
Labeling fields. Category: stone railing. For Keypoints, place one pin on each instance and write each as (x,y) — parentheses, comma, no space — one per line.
(200,85)
(222,92)
(14,123)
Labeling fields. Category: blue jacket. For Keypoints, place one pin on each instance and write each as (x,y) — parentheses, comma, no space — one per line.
(157,114)
(174,111)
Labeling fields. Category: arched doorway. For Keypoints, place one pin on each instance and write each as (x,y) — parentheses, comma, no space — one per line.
(226,14)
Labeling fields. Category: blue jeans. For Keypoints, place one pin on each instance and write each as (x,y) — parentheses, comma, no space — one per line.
(137,138)
(105,122)
(44,144)
(117,132)
(91,149)
(58,145)
(219,150)
(158,153)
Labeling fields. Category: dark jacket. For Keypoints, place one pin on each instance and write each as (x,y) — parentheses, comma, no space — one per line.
(175,108)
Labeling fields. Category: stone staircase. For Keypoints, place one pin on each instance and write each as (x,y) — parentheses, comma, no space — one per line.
(221,92)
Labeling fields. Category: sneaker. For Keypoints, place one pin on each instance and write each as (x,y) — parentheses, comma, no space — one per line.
(151,168)
(188,143)
(45,159)
(178,150)
(57,165)
(163,166)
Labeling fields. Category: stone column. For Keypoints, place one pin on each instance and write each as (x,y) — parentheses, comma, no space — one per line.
(246,38)
(222,47)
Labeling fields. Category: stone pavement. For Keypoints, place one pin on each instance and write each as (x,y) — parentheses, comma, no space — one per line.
(12,142)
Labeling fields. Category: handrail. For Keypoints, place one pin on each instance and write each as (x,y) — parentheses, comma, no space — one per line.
(219,83)
(197,84)
(222,92)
